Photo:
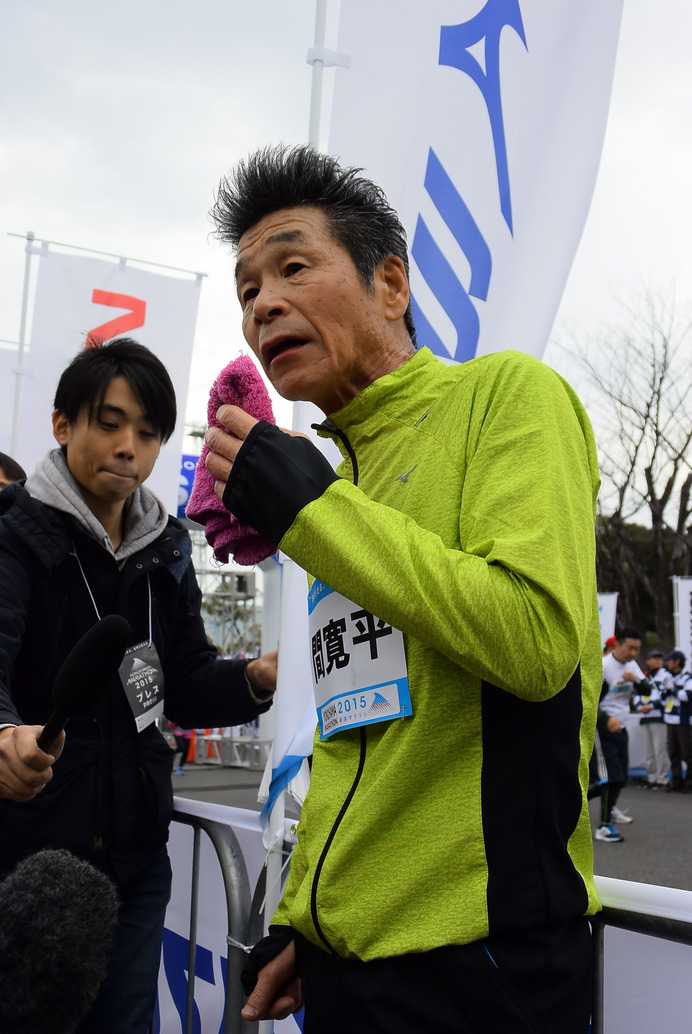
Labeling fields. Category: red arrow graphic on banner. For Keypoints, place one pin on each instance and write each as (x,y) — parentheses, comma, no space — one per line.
(121,324)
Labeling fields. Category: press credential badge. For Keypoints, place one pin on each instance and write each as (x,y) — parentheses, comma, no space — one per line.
(142,678)
(359,671)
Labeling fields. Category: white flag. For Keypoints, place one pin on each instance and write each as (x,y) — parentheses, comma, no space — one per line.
(607,609)
(79,297)
(294,705)
(682,597)
(483,122)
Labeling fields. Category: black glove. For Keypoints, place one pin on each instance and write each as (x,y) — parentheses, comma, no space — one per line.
(274,476)
(263,952)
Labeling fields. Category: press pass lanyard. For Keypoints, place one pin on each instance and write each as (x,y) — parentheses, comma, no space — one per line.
(141,674)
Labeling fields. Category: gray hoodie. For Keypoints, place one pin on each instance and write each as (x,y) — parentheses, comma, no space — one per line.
(145,515)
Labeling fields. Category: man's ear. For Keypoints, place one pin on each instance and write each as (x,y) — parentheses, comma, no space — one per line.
(393,281)
(61,428)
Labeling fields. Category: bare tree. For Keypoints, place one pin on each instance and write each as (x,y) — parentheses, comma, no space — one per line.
(640,403)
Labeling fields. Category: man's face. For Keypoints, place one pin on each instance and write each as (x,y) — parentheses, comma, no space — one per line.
(654,664)
(320,334)
(4,480)
(627,650)
(674,666)
(111,456)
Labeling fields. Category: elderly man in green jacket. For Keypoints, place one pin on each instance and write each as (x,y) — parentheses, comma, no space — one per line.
(444,866)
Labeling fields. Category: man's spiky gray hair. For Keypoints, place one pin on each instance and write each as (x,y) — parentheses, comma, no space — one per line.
(280,177)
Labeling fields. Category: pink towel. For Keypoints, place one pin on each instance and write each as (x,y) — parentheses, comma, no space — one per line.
(239,384)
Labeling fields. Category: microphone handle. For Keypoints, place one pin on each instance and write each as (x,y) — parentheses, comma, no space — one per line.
(51,730)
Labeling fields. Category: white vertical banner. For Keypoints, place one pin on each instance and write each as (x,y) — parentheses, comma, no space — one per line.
(78,297)
(682,607)
(483,121)
(8,363)
(607,606)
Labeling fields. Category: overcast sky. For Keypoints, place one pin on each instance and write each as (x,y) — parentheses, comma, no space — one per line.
(117,121)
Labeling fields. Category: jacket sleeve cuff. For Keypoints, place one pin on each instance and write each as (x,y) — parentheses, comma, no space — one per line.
(274,476)
(262,953)
(260,698)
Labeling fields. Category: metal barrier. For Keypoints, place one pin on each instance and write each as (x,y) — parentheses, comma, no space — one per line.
(244,922)
(635,922)
(233,751)
(238,905)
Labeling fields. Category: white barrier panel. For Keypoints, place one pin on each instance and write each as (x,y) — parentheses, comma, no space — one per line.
(647,980)
(211,952)
(637,746)
(647,984)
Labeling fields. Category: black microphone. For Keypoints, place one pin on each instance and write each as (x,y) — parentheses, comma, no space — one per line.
(84,673)
(58,916)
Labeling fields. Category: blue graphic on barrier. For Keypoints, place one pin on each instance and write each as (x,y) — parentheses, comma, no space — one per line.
(175,963)
(455,41)
(298,1018)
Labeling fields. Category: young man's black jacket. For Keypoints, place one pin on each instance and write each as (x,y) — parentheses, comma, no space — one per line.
(110,799)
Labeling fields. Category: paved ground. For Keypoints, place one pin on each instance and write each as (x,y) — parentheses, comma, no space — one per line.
(657,846)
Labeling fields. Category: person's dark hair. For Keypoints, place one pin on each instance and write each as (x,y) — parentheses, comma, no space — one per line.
(85,382)
(11,468)
(627,633)
(359,215)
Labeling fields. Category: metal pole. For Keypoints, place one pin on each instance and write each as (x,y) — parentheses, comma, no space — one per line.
(275,831)
(276,819)
(237,888)
(20,351)
(112,254)
(192,943)
(317,71)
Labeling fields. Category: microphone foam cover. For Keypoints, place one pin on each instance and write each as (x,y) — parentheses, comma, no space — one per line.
(58,916)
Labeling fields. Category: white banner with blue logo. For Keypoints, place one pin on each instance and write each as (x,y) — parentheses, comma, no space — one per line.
(483,122)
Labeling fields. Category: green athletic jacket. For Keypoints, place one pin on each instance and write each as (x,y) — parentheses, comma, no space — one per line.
(471,529)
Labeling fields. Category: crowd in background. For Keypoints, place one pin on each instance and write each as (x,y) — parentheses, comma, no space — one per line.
(661,695)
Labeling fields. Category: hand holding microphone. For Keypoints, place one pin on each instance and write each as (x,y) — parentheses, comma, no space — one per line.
(24,769)
(27,753)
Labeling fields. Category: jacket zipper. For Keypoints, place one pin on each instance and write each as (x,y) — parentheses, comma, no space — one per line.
(328,843)
(332,429)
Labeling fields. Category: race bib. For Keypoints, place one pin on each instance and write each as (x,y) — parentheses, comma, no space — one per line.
(620,691)
(359,671)
(142,679)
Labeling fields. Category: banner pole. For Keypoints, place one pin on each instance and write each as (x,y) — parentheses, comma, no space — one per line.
(317,73)
(19,371)
(274,862)
(676,611)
